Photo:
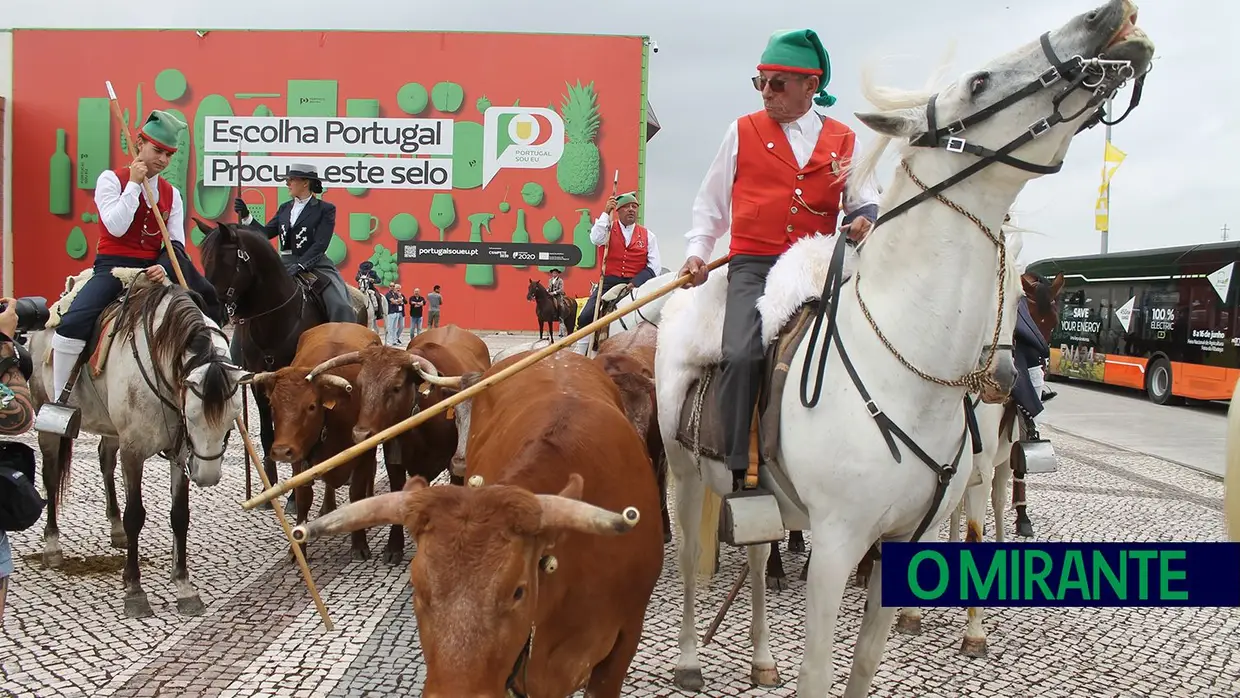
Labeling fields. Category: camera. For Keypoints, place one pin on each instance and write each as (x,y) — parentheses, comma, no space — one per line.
(32,313)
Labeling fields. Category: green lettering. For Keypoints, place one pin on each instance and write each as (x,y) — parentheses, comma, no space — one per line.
(1102,568)
(1038,577)
(1165,575)
(1074,565)
(1015,592)
(1143,572)
(944,576)
(971,577)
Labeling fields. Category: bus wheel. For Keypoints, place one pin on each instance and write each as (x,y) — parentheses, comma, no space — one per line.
(1158,382)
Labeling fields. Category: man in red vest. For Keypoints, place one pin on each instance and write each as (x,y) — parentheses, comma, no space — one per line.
(129,236)
(632,250)
(778,177)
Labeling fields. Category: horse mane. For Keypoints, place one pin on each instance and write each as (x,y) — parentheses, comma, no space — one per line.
(887,98)
(183,330)
(245,238)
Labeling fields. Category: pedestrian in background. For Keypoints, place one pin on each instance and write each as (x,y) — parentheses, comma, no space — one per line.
(396,315)
(433,302)
(416,304)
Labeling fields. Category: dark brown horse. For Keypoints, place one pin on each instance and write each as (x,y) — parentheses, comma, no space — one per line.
(270,308)
(551,309)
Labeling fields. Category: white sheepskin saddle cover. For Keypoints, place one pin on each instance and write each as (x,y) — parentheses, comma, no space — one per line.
(691,324)
(74,284)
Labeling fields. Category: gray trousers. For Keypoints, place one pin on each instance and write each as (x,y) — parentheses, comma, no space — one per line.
(741,374)
(335,296)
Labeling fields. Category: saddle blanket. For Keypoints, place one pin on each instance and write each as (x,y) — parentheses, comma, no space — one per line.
(101,342)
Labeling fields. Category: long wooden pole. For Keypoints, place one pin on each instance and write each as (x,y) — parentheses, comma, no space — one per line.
(602,265)
(401,427)
(245,435)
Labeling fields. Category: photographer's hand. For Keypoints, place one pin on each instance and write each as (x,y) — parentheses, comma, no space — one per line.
(8,318)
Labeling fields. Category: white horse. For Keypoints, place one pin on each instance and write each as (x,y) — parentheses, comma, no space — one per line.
(166,388)
(927,278)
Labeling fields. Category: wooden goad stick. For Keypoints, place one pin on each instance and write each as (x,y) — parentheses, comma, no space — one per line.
(249,445)
(423,415)
(602,267)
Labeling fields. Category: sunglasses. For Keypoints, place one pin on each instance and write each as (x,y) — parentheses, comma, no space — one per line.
(777,84)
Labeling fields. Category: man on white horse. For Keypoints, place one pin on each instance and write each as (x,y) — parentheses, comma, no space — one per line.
(129,236)
(632,250)
(779,176)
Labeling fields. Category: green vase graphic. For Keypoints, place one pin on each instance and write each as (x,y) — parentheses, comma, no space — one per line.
(60,178)
(581,238)
(520,235)
(479,274)
(552,232)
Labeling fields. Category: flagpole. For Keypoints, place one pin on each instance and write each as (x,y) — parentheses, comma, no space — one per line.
(1106,232)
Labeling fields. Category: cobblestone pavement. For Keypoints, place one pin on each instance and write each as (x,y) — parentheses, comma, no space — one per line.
(65,633)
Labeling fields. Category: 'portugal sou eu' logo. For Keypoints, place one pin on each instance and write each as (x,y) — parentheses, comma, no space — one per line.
(529,138)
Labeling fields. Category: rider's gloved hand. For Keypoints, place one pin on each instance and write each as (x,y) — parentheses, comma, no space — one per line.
(241,209)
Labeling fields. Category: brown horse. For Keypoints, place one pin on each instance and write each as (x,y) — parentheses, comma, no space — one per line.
(551,308)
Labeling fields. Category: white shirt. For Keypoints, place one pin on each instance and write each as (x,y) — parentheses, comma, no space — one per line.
(117,208)
(712,209)
(602,230)
(298,206)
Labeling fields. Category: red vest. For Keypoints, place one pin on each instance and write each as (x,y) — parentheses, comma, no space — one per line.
(766,217)
(626,261)
(143,239)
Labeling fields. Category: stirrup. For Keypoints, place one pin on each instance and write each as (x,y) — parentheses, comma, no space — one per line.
(59,417)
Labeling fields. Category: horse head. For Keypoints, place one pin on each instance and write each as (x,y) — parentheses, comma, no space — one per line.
(1043,299)
(535,291)
(237,259)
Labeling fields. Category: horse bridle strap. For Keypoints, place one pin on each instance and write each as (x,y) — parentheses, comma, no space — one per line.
(1109,76)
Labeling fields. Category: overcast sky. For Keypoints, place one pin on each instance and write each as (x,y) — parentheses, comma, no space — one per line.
(1178,185)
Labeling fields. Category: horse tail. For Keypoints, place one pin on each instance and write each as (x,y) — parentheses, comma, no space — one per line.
(64,457)
(1231,476)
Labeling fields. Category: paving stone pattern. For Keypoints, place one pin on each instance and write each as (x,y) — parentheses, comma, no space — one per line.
(65,633)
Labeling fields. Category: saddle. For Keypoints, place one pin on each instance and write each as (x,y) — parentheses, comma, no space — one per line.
(314,283)
(103,333)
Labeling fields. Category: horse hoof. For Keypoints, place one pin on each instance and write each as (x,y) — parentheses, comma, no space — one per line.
(777,583)
(120,540)
(290,509)
(53,559)
(861,581)
(973,647)
(1024,528)
(765,678)
(908,625)
(667,537)
(191,606)
(689,679)
(362,553)
(393,557)
(265,505)
(137,606)
(292,557)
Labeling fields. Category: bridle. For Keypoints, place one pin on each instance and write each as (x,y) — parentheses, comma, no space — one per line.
(1103,78)
(230,302)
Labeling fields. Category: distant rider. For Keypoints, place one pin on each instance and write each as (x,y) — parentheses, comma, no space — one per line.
(632,251)
(305,225)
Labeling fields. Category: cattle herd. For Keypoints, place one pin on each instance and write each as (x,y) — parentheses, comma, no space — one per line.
(508,590)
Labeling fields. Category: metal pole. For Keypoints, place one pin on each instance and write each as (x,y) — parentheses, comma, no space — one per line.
(1106,233)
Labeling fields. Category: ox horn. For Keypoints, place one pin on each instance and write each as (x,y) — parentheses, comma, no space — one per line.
(337,381)
(566,512)
(374,511)
(257,378)
(430,374)
(353,357)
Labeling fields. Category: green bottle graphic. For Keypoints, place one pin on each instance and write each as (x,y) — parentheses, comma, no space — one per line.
(479,274)
(552,232)
(581,238)
(521,235)
(60,179)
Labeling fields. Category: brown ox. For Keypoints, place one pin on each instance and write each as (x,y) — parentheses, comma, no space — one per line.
(629,359)
(498,608)
(313,419)
(390,387)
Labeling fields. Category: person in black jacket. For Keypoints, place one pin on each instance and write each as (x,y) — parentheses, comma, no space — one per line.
(1031,351)
(305,225)
(16,416)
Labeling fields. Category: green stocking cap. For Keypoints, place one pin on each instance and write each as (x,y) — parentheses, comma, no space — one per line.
(629,198)
(799,51)
(162,129)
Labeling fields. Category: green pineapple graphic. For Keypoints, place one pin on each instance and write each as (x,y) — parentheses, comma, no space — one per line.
(579,167)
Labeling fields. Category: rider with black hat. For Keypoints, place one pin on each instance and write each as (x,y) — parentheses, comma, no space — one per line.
(305,224)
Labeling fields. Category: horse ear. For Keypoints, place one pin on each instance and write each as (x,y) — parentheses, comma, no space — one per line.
(1029,283)
(1057,285)
(203,225)
(898,123)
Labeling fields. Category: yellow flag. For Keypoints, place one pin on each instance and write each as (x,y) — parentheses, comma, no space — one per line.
(1101,214)
(1112,157)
